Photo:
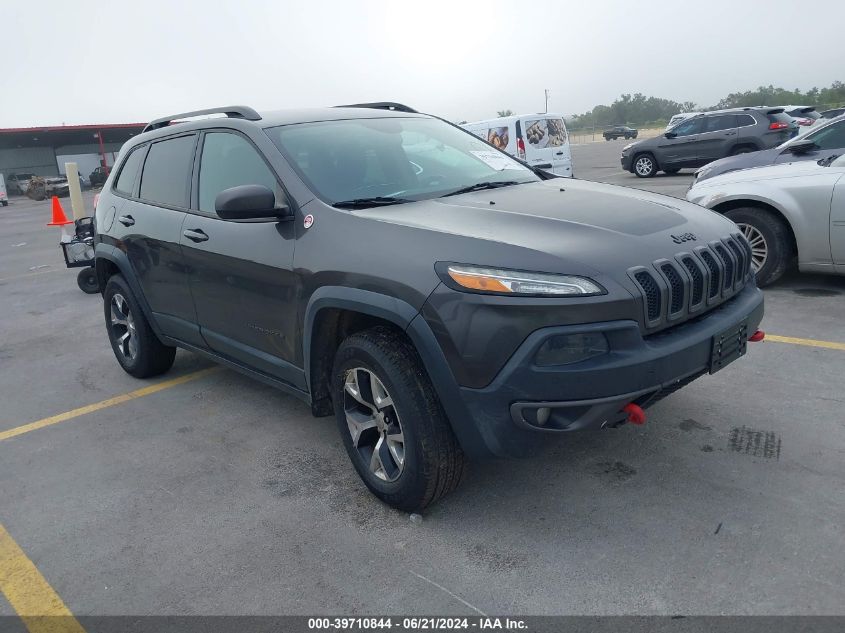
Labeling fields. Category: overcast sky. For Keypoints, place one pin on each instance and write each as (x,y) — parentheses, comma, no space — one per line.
(117,61)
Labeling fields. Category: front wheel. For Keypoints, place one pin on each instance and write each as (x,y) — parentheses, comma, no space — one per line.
(133,341)
(645,166)
(392,424)
(770,240)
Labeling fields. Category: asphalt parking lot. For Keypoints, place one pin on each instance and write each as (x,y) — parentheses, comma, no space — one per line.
(213,494)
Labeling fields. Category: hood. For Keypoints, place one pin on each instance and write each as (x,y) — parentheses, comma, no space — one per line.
(733,163)
(603,227)
(767,172)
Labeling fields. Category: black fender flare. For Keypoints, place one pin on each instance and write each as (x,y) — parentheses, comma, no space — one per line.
(409,320)
(112,254)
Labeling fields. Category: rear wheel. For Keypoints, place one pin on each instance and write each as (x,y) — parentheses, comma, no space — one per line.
(392,424)
(771,243)
(645,166)
(133,341)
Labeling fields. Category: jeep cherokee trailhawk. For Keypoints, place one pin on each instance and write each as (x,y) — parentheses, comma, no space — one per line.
(439,297)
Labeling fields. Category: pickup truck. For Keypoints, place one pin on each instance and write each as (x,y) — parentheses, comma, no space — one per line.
(619,131)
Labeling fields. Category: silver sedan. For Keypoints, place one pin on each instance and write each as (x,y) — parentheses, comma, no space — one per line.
(786,210)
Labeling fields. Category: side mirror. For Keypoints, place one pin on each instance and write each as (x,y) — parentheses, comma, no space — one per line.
(670,135)
(803,147)
(249,202)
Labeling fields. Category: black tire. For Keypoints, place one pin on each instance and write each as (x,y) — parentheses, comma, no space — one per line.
(644,160)
(86,279)
(433,462)
(742,149)
(5,203)
(777,240)
(149,357)
(672,171)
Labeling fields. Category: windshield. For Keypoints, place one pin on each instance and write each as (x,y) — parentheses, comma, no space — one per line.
(406,158)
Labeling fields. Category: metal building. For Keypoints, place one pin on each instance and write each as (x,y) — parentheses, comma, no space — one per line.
(45,150)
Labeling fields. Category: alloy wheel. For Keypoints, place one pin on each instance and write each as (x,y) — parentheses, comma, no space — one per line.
(123,327)
(644,165)
(759,247)
(373,424)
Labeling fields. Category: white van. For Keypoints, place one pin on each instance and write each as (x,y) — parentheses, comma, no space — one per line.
(4,196)
(541,140)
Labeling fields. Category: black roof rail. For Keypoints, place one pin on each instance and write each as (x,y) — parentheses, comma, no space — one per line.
(233,112)
(381,105)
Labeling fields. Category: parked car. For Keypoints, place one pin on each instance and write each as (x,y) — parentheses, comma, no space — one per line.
(832,114)
(619,131)
(41,187)
(441,299)
(682,116)
(18,183)
(824,140)
(784,210)
(707,137)
(541,140)
(98,176)
(804,115)
(4,196)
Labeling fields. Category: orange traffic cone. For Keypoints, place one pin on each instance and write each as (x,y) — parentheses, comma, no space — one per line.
(59,217)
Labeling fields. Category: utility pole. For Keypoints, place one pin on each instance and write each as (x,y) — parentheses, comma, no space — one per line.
(546,111)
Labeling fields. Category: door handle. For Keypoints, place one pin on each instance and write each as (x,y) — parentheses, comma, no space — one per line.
(196,235)
(126,220)
(558,153)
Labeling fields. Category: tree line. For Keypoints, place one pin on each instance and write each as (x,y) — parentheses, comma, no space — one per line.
(640,110)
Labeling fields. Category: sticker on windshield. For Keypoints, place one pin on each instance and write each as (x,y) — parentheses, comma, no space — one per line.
(496,160)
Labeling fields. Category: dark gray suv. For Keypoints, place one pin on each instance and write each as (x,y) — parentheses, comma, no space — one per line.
(439,298)
(707,137)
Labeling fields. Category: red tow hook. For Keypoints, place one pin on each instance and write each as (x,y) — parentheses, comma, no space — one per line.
(758,336)
(636,415)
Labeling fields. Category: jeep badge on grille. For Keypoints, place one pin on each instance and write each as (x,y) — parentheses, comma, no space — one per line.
(686,237)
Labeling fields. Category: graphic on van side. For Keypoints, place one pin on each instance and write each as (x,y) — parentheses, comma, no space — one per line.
(545,133)
(498,137)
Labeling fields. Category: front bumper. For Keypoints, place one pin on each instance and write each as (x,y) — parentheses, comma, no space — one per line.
(591,394)
(627,161)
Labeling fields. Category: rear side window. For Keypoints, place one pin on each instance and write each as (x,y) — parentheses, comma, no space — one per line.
(745,119)
(229,160)
(125,182)
(721,122)
(167,171)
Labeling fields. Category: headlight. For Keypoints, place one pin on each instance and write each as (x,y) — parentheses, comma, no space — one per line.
(514,282)
(627,147)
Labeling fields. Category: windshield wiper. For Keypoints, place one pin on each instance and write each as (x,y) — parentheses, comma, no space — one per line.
(481,186)
(365,203)
(825,162)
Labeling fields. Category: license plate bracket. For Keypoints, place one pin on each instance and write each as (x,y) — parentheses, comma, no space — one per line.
(728,345)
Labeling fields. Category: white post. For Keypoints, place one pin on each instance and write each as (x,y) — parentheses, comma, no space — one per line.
(76,201)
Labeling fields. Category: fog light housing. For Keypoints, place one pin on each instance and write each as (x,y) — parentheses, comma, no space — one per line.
(565,349)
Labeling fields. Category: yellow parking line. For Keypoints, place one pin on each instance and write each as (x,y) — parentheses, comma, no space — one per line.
(104,404)
(809,342)
(29,593)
